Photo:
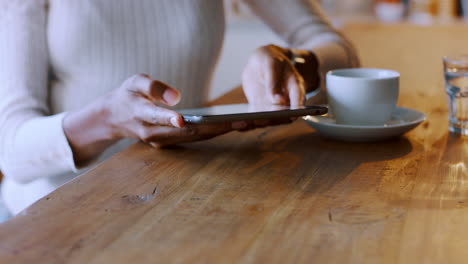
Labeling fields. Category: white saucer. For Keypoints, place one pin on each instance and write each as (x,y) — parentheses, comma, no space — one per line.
(402,121)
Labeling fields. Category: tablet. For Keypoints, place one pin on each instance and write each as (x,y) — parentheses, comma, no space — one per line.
(245,112)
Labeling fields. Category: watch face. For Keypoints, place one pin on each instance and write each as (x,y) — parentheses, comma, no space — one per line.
(307,65)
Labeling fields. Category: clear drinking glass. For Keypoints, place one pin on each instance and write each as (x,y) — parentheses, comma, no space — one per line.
(456,86)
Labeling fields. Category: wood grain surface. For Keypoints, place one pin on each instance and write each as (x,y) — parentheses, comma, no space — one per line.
(275,195)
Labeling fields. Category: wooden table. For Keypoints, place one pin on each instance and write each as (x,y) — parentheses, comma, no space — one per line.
(276,195)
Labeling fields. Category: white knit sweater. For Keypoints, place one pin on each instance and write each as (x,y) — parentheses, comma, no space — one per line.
(59,55)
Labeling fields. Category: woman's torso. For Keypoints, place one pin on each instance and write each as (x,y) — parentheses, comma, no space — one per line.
(94,45)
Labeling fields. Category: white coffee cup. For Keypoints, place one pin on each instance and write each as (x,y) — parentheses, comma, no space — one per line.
(362,96)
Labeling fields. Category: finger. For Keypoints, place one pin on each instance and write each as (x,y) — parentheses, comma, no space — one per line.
(280,121)
(271,122)
(239,125)
(214,129)
(155,115)
(261,123)
(159,134)
(249,125)
(155,90)
(295,88)
(167,137)
(274,79)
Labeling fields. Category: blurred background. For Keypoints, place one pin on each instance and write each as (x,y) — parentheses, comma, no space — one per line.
(244,32)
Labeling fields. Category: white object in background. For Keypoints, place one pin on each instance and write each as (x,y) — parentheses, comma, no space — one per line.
(362,96)
(420,12)
(389,12)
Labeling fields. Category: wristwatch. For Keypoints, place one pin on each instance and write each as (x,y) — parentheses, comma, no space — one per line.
(307,64)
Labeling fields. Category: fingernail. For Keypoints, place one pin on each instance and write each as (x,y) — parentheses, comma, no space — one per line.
(175,122)
(278,99)
(171,96)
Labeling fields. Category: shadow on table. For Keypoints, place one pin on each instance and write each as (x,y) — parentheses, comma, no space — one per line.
(329,162)
(300,159)
(274,167)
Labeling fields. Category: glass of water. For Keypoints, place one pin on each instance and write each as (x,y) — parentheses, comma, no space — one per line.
(456,86)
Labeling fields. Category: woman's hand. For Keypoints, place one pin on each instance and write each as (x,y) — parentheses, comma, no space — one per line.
(271,78)
(133,111)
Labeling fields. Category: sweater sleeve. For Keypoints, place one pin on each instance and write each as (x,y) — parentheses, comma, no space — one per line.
(32,144)
(302,24)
